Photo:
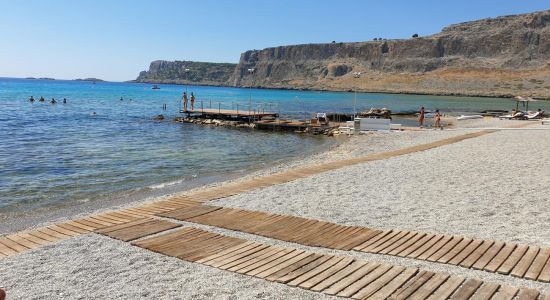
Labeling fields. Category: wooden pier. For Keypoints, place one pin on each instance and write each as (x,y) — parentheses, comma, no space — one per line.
(230,114)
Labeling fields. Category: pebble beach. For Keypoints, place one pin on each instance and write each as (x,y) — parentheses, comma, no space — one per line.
(489,187)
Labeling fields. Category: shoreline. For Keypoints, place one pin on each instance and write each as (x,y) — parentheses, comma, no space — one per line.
(340,147)
(14,221)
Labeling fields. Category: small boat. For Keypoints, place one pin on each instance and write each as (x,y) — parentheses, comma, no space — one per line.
(155,87)
(464,117)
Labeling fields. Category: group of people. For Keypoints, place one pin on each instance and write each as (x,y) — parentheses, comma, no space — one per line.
(422,116)
(31,99)
(184,99)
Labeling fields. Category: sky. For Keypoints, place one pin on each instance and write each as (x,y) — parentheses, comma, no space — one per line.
(115,40)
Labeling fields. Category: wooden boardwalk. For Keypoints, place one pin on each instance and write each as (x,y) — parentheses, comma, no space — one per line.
(329,274)
(522,261)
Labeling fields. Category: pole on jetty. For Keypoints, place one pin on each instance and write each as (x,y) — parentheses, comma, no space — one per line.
(250,72)
(355,75)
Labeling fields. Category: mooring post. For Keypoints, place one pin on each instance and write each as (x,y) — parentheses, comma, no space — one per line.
(219,107)
(237,108)
(202,109)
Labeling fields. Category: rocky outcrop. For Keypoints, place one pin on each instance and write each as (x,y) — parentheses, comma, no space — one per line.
(502,56)
(181,72)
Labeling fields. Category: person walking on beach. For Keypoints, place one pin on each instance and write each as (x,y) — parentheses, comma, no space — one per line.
(192,101)
(437,119)
(421,116)
(184,101)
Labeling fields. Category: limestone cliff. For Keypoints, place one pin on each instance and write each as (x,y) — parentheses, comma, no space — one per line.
(204,73)
(502,56)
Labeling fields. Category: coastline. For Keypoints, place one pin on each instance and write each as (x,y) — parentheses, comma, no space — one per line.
(338,90)
(12,222)
(341,147)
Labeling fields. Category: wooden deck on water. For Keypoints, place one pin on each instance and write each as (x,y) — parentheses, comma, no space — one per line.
(231,113)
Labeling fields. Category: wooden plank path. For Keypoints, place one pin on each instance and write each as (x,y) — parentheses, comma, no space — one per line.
(328,274)
(522,261)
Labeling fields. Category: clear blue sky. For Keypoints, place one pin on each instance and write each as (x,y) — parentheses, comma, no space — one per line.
(115,39)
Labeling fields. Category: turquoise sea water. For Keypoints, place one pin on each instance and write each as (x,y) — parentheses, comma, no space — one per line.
(60,155)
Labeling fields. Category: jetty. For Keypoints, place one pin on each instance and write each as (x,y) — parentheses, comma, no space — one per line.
(230,114)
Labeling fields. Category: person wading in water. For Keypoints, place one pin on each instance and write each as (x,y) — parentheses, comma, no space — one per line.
(437,119)
(421,116)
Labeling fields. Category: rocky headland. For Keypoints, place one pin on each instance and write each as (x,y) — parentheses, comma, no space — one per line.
(187,72)
(500,57)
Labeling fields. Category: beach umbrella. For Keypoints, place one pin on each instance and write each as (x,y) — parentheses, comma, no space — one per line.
(524,101)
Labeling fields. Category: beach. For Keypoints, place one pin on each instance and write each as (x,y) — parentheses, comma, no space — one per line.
(489,187)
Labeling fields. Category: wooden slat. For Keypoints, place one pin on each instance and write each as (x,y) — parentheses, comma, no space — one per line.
(351,278)
(445,248)
(545,273)
(350,269)
(486,291)
(538,263)
(6,250)
(469,261)
(63,230)
(73,228)
(528,294)
(12,245)
(512,259)
(309,283)
(467,289)
(413,285)
(139,230)
(447,288)
(316,271)
(377,284)
(33,239)
(486,258)
(22,241)
(465,252)
(386,291)
(303,270)
(499,259)
(506,292)
(429,287)
(525,262)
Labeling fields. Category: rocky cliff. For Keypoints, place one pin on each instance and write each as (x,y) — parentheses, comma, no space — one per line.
(204,73)
(502,56)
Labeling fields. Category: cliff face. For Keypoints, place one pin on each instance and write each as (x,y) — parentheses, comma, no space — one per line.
(161,71)
(503,56)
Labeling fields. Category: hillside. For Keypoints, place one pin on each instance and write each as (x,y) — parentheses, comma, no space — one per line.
(204,73)
(503,56)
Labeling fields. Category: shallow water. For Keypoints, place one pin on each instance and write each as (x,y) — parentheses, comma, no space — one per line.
(63,154)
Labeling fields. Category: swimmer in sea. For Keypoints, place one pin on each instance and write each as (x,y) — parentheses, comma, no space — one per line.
(53,101)
(31,99)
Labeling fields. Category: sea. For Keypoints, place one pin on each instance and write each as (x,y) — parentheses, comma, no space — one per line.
(104,144)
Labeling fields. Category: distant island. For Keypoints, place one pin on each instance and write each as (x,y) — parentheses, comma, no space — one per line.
(88,79)
(496,57)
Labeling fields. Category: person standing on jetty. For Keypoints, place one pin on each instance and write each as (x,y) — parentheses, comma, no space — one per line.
(192,101)
(184,97)
(421,116)
(437,119)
